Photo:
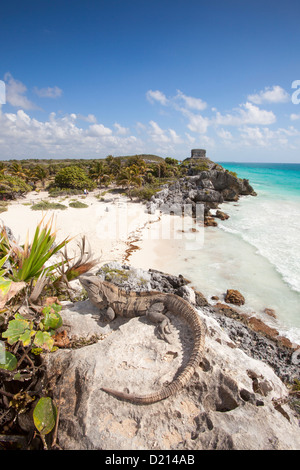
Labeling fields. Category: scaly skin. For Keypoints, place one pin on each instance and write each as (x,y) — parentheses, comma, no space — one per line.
(118,302)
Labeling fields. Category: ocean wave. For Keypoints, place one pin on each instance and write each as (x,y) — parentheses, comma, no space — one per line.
(272,227)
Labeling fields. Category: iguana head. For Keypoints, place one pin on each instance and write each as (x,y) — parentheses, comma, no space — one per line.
(92,285)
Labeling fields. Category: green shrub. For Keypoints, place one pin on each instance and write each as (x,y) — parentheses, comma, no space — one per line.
(3,206)
(12,186)
(57,192)
(144,193)
(201,167)
(78,205)
(45,206)
(73,177)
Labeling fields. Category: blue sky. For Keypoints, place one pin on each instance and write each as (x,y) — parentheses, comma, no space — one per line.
(86,79)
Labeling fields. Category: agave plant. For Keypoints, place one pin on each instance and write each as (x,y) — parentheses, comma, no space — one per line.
(71,268)
(28,261)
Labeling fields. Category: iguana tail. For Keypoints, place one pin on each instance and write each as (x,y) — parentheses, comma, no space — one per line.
(177,306)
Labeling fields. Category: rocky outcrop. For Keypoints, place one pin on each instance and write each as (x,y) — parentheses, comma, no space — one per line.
(234,297)
(209,187)
(233,401)
(230,403)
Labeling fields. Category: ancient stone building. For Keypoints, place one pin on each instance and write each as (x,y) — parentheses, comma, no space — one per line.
(198,153)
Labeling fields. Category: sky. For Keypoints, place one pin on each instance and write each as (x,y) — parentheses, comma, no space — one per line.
(92,78)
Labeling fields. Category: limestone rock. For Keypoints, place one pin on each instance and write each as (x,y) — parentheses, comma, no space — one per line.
(209,185)
(228,404)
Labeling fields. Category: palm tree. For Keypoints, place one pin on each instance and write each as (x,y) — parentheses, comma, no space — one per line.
(16,169)
(40,173)
(114,165)
(130,177)
(3,168)
(99,172)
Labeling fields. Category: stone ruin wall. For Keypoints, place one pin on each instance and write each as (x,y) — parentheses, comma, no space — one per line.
(198,153)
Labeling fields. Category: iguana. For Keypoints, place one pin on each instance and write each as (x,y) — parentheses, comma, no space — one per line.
(115,301)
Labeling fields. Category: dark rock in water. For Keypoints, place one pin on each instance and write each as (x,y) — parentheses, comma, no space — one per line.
(270,312)
(234,297)
(210,222)
(221,215)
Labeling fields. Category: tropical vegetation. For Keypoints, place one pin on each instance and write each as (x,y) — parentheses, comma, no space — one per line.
(68,176)
(29,319)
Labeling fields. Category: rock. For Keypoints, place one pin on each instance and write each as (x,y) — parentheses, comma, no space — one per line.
(187,293)
(234,297)
(209,184)
(201,300)
(270,312)
(221,215)
(210,222)
(258,325)
(228,403)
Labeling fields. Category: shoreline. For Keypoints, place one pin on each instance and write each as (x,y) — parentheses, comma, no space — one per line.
(171,257)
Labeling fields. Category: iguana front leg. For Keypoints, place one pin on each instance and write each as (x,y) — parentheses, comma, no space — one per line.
(155,315)
(109,314)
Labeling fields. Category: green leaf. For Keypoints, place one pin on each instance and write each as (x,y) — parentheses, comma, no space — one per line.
(26,337)
(4,286)
(7,360)
(51,320)
(44,340)
(44,415)
(18,330)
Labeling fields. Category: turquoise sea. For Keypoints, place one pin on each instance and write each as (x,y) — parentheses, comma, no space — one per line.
(271,221)
(266,232)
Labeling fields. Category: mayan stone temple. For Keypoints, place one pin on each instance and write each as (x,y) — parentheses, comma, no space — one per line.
(198,153)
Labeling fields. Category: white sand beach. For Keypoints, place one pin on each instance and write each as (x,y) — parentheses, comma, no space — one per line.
(110,225)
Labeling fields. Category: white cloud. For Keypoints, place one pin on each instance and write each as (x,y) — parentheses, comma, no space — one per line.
(191,102)
(15,93)
(120,129)
(197,123)
(22,136)
(226,135)
(190,138)
(265,137)
(274,94)
(157,96)
(89,118)
(98,130)
(157,134)
(294,117)
(166,140)
(49,92)
(247,113)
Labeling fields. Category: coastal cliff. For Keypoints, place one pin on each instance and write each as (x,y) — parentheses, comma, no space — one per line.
(206,183)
